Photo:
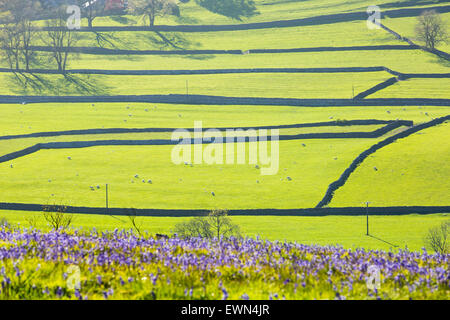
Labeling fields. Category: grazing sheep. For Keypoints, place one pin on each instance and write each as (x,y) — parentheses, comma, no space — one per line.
(11,166)
(92,188)
(213,194)
(143,180)
(426,113)
(303,144)
(49,180)
(335,158)
(256,167)
(289,178)
(98,187)
(375,168)
(150,181)
(69,158)
(146,110)
(388,111)
(136,176)
(257,181)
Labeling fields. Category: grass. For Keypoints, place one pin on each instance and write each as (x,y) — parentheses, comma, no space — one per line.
(411,171)
(23,119)
(339,34)
(423,157)
(269,10)
(177,186)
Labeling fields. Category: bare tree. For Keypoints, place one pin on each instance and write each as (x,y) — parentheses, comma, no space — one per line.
(216,224)
(91,9)
(60,39)
(132,216)
(437,238)
(234,9)
(153,8)
(221,225)
(18,30)
(431,29)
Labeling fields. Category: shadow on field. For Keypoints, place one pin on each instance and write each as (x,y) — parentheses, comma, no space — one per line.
(31,84)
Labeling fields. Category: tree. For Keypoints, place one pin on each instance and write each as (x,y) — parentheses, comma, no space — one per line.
(234,9)
(153,8)
(430,29)
(60,39)
(18,30)
(216,224)
(437,238)
(91,9)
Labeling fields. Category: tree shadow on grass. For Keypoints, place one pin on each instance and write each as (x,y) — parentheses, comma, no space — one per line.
(57,85)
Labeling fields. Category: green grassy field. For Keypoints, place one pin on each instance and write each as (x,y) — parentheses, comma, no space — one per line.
(412,171)
(387,232)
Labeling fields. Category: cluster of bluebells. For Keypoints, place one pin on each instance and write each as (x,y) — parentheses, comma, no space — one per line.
(120,264)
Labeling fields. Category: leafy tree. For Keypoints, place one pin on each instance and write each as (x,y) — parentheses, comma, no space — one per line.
(234,9)
(431,29)
(153,8)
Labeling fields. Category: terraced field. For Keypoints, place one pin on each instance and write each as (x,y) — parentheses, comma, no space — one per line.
(127,89)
